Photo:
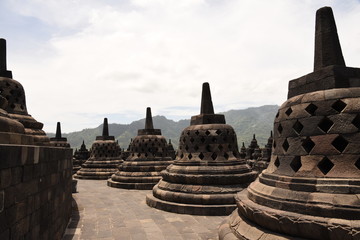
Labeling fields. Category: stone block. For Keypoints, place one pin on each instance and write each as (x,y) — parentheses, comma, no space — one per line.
(5,178)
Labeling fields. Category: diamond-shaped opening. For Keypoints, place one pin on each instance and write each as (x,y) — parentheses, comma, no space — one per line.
(285,145)
(311,108)
(325,124)
(340,143)
(146,154)
(325,165)
(296,163)
(184,139)
(298,127)
(182,155)
(220,147)
(192,139)
(277,115)
(187,147)
(202,139)
(214,156)
(308,144)
(190,156)
(338,105)
(357,164)
(196,147)
(226,156)
(207,132)
(197,132)
(280,128)
(188,132)
(208,148)
(218,132)
(201,156)
(288,111)
(214,139)
(356,121)
(277,162)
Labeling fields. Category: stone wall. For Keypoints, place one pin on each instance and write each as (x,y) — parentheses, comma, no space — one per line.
(35,191)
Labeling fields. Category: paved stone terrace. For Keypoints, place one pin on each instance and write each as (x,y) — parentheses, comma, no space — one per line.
(102,212)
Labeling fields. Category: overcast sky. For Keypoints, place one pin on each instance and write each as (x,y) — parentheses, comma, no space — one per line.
(82,60)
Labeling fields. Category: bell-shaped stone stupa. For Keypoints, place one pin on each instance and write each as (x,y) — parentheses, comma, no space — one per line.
(14,94)
(58,140)
(148,157)
(104,157)
(207,171)
(80,157)
(311,187)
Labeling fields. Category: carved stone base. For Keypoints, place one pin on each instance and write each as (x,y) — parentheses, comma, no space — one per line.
(246,221)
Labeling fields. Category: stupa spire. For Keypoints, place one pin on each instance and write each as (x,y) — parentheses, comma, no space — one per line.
(3,68)
(206,102)
(58,130)
(105,132)
(327,45)
(148,121)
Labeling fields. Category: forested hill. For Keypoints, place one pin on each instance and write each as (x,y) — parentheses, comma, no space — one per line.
(246,122)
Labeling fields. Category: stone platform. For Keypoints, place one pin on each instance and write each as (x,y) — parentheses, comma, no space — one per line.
(100,212)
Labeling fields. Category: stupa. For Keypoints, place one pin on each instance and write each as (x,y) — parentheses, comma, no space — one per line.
(311,188)
(58,140)
(14,94)
(148,157)
(104,157)
(80,157)
(171,150)
(207,171)
(263,161)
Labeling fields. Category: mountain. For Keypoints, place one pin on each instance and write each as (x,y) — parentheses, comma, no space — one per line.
(246,122)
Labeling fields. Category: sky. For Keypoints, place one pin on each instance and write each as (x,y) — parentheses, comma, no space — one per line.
(82,60)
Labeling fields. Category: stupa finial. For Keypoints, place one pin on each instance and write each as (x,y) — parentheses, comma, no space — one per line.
(58,130)
(3,68)
(105,132)
(206,102)
(148,120)
(327,45)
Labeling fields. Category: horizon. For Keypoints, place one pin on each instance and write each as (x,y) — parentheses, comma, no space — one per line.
(136,120)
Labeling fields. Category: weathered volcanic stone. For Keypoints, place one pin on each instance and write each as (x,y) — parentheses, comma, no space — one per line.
(35,181)
(80,157)
(104,157)
(15,105)
(311,188)
(148,157)
(207,171)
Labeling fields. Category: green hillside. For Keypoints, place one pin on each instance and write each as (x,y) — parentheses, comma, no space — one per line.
(246,122)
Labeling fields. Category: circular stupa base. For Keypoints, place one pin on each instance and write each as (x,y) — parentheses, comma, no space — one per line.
(129,185)
(192,209)
(94,176)
(245,221)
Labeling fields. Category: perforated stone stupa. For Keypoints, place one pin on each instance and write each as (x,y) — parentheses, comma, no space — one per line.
(207,171)
(80,157)
(58,140)
(15,105)
(311,188)
(104,157)
(148,157)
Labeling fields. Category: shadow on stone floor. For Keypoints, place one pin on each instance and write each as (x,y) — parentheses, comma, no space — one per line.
(73,231)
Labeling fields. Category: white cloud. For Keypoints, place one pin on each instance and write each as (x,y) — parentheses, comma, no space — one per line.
(117,59)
